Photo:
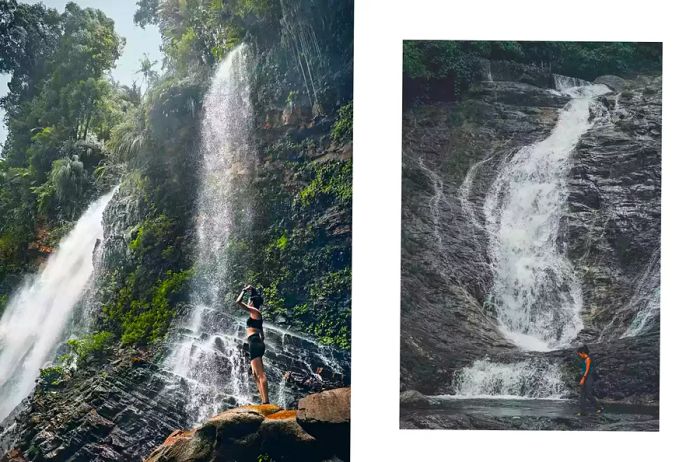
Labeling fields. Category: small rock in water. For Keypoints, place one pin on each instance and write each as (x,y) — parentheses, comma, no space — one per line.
(413,398)
(229,403)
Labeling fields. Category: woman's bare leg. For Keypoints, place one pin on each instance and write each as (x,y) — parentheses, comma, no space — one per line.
(260,378)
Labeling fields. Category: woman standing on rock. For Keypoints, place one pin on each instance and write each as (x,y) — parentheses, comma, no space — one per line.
(255,337)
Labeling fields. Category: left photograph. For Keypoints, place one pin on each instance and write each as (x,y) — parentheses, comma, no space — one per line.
(175,241)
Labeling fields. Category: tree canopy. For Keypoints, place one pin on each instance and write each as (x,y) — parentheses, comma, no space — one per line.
(435,69)
(60,107)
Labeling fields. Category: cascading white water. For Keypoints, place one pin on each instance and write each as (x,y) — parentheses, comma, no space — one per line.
(34,322)
(536,294)
(226,159)
(564,83)
(207,350)
(525,379)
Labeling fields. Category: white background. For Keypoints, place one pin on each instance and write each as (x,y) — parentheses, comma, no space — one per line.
(380,27)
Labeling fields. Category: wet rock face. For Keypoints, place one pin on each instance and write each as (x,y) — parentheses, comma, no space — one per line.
(118,413)
(445,272)
(614,218)
(609,230)
(250,433)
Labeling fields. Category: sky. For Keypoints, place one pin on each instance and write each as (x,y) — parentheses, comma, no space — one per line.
(138,41)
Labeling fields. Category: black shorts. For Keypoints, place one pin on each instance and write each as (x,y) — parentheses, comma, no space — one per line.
(256,346)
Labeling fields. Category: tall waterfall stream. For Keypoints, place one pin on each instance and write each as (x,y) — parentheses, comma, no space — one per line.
(35,321)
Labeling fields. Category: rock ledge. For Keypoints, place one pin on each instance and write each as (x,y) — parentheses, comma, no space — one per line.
(319,430)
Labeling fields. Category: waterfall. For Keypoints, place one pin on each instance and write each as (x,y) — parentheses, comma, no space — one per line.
(226,160)
(34,322)
(207,350)
(526,379)
(536,294)
(564,83)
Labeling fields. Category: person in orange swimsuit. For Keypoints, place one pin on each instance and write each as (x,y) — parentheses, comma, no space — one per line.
(586,397)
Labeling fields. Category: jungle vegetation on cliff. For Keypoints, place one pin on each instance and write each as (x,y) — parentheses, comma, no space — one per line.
(74,133)
(442,70)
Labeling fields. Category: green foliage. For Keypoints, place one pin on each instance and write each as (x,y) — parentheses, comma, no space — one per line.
(443,69)
(52,376)
(199,33)
(148,324)
(142,315)
(130,137)
(439,69)
(89,348)
(331,306)
(302,260)
(342,128)
(17,223)
(151,233)
(67,181)
(332,181)
(59,109)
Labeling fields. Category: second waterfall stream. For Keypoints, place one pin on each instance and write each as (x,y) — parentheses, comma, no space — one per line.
(536,295)
(36,319)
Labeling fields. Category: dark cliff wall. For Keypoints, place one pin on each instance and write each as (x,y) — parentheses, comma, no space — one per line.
(445,270)
(451,154)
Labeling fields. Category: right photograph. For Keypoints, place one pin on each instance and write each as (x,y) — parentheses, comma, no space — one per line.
(530,240)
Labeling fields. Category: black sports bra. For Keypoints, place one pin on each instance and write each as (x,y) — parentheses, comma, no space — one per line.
(254,323)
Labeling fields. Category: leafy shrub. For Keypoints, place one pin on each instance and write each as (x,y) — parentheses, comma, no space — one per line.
(142,322)
(52,376)
(331,306)
(152,232)
(341,132)
(332,181)
(91,347)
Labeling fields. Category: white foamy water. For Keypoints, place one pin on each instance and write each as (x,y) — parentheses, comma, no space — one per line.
(534,379)
(35,320)
(536,294)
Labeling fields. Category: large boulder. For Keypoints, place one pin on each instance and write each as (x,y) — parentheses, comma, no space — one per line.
(616,84)
(326,416)
(413,398)
(327,407)
(249,432)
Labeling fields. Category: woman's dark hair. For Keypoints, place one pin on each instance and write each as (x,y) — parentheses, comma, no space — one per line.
(256,297)
(582,349)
